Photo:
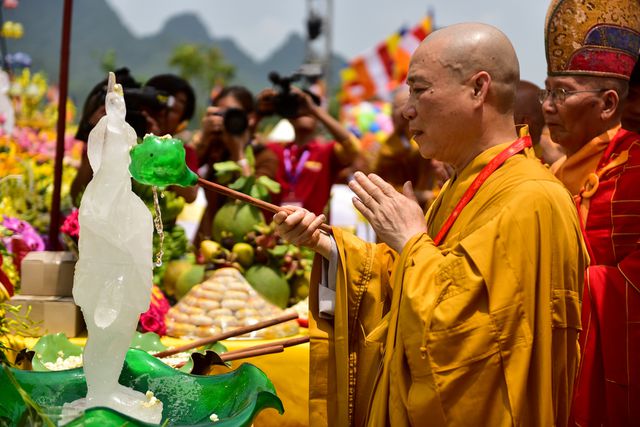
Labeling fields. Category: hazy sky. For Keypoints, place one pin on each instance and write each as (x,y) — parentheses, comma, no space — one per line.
(260,26)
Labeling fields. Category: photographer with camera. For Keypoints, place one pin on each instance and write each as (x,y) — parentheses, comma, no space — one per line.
(162,106)
(309,164)
(172,118)
(226,130)
(92,111)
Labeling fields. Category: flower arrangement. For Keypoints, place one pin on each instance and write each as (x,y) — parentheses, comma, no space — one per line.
(35,103)
(26,175)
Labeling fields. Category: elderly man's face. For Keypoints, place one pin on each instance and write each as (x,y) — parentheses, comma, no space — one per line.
(438,108)
(573,117)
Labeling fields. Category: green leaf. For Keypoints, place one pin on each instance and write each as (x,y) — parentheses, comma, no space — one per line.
(239,183)
(269,184)
(279,250)
(50,347)
(258,192)
(251,158)
(228,166)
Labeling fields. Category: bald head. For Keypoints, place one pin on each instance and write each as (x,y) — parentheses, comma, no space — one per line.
(468,48)
(463,81)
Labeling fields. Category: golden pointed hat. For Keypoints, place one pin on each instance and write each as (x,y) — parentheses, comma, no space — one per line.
(592,37)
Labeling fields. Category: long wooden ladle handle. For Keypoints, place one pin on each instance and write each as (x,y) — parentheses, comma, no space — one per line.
(208,185)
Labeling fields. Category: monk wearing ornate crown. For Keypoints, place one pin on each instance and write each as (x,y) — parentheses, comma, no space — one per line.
(591,50)
(469,317)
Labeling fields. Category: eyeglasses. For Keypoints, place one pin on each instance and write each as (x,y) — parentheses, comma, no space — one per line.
(560,95)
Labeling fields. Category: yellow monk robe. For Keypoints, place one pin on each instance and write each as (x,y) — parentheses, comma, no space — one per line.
(479,331)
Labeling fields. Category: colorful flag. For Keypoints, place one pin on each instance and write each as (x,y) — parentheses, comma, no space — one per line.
(380,70)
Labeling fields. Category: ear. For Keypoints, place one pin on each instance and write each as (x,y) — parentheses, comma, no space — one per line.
(610,104)
(480,83)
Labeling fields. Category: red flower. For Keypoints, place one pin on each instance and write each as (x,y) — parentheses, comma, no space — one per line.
(152,322)
(153,319)
(70,226)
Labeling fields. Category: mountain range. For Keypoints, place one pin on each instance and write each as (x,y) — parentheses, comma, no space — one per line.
(97,29)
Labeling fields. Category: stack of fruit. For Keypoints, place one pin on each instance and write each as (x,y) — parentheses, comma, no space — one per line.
(241,240)
(223,302)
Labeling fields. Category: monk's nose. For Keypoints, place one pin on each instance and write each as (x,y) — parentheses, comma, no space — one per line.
(409,111)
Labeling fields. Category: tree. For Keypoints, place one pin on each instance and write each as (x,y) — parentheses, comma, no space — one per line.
(205,64)
(108,61)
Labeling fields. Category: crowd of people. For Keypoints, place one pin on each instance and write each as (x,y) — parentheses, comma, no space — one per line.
(516,299)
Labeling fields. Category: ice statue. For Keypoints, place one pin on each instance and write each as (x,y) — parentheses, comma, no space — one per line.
(113,275)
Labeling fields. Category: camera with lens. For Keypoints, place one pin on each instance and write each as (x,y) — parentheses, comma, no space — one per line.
(234,120)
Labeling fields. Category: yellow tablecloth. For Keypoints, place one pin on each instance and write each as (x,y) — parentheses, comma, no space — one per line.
(289,372)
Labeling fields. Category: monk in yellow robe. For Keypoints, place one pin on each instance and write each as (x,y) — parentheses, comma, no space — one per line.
(467,318)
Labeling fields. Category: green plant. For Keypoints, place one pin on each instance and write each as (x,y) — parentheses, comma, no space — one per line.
(13,323)
(260,187)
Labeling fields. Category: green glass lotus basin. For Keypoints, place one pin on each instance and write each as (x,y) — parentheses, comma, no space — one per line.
(189,400)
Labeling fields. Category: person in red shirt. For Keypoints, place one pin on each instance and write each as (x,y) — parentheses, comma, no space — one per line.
(309,164)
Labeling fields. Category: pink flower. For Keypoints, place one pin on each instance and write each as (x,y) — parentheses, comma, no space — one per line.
(151,321)
(71,227)
(23,231)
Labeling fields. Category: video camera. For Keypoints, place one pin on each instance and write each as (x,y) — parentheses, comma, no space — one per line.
(287,103)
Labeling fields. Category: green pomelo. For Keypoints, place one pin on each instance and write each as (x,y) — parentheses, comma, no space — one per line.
(270,284)
(236,218)
(188,279)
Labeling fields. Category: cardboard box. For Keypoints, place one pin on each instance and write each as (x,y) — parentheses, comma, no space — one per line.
(47,274)
(56,314)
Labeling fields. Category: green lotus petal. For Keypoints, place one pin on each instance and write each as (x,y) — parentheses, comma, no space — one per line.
(189,400)
(50,347)
(217,346)
(149,341)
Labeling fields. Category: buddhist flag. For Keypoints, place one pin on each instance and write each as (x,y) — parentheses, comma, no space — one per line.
(380,70)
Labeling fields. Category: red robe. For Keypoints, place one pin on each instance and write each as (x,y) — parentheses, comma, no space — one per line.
(607,389)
